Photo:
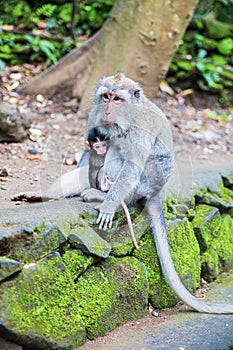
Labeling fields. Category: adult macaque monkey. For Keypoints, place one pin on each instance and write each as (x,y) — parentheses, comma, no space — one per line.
(138,162)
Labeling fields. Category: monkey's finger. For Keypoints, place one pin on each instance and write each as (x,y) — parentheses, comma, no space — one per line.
(101,220)
(110,219)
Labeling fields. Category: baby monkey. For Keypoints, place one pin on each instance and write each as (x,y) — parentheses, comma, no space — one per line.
(98,146)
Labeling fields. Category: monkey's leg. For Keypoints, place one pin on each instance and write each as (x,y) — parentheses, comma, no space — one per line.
(155,210)
(93,195)
(68,185)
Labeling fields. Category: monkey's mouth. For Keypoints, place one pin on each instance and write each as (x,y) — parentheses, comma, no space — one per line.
(109,124)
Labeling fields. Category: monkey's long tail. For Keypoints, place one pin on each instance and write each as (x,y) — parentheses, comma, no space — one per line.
(127,214)
(155,210)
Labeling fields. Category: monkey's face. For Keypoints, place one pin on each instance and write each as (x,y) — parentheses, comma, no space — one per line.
(100,147)
(112,103)
(116,106)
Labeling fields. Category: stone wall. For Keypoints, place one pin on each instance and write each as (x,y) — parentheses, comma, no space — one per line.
(63,281)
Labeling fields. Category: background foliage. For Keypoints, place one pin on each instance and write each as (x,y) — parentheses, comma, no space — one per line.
(42,31)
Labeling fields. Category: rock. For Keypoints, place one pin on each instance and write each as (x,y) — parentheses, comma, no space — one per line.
(206,224)
(31,244)
(6,345)
(77,262)
(112,293)
(222,199)
(86,239)
(40,307)
(46,243)
(8,267)
(185,255)
(13,238)
(228,180)
(219,255)
(120,238)
(14,125)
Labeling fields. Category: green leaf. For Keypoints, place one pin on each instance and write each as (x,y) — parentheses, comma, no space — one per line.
(200,66)
(225,46)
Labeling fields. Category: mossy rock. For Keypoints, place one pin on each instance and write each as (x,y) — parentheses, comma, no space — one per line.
(41,309)
(88,240)
(228,178)
(186,257)
(112,293)
(219,256)
(8,267)
(13,239)
(210,264)
(77,262)
(120,239)
(222,198)
(206,225)
(43,244)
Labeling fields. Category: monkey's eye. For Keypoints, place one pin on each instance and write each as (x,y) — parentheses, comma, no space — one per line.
(105,97)
(117,99)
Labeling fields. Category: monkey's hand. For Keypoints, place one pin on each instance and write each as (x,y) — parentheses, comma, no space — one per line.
(93,195)
(106,214)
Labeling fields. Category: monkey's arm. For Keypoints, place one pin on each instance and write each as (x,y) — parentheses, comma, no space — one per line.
(122,190)
(93,195)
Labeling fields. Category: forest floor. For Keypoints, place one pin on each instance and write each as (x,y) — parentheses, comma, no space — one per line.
(202,131)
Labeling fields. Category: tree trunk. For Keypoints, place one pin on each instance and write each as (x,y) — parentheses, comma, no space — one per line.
(139,39)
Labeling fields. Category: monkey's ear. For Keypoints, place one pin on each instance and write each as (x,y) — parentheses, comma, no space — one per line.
(137,93)
(87,144)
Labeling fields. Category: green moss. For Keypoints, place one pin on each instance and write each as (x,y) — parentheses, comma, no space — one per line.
(8,267)
(120,238)
(206,225)
(219,257)
(77,262)
(42,302)
(112,293)
(90,242)
(185,254)
(35,246)
(210,264)
(226,242)
(159,294)
(175,207)
(221,198)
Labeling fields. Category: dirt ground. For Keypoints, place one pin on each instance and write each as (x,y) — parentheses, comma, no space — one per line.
(202,131)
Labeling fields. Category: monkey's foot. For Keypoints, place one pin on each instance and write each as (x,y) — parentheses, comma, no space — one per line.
(93,195)
(27,196)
